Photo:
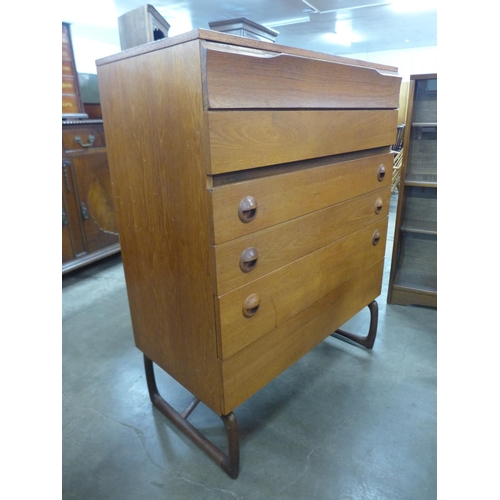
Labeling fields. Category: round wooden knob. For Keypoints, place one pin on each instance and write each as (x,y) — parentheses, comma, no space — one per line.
(251,305)
(376,237)
(247,209)
(248,259)
(378,205)
(381,173)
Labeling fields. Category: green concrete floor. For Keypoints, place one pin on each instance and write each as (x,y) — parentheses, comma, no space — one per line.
(341,423)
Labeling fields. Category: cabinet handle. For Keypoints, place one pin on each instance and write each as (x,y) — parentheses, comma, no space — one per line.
(64,218)
(251,305)
(84,211)
(65,165)
(247,209)
(381,173)
(91,139)
(378,205)
(248,259)
(376,237)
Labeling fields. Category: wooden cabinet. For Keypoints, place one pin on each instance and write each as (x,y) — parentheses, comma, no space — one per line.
(89,230)
(142,25)
(252,185)
(413,278)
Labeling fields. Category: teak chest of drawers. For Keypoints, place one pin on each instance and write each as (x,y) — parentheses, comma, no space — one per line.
(251,184)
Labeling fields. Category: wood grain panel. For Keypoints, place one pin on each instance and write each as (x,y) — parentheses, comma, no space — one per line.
(412,295)
(295,287)
(71,204)
(243,78)
(96,200)
(252,368)
(284,197)
(281,244)
(152,104)
(248,139)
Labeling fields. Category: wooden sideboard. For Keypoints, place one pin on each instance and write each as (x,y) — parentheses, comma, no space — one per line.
(252,186)
(89,230)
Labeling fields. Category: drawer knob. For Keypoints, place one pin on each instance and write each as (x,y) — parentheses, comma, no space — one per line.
(376,237)
(378,205)
(251,305)
(247,209)
(381,173)
(248,259)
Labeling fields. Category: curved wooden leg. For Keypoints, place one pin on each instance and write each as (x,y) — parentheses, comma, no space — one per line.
(369,340)
(229,463)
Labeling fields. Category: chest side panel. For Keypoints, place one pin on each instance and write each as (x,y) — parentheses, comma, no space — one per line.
(153,116)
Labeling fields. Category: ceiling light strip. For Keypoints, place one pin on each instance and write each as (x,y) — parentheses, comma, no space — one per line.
(316,11)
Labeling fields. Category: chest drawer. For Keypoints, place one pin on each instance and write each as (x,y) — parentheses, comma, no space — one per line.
(83,138)
(249,78)
(246,259)
(241,140)
(254,366)
(245,207)
(253,310)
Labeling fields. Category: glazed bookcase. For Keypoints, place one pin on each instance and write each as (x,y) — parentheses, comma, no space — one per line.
(413,278)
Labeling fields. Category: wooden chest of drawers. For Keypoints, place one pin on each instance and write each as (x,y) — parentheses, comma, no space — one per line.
(251,185)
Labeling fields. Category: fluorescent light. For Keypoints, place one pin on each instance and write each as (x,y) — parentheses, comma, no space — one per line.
(286,22)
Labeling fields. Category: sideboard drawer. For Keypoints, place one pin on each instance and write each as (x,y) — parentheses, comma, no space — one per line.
(253,310)
(241,140)
(83,138)
(249,257)
(246,78)
(279,198)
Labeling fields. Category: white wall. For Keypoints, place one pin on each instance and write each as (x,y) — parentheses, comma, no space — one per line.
(88,51)
(408,61)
